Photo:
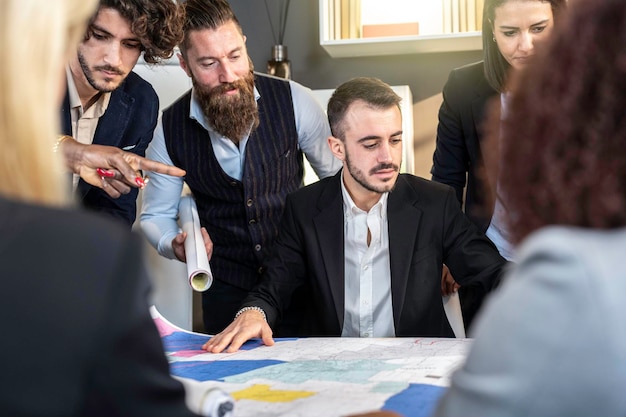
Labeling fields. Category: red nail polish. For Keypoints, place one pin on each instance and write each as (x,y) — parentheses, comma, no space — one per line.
(139,181)
(105,173)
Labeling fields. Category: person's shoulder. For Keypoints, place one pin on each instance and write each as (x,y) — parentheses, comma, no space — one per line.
(577,242)
(84,225)
(423,185)
(421,191)
(464,82)
(259,76)
(469,74)
(68,232)
(266,82)
(473,70)
(70,223)
(316,193)
(137,87)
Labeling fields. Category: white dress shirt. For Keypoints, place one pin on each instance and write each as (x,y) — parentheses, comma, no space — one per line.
(498,231)
(368,308)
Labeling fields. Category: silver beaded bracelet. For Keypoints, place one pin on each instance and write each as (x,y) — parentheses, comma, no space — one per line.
(255,308)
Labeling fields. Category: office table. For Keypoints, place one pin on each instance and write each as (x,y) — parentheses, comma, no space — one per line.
(318,376)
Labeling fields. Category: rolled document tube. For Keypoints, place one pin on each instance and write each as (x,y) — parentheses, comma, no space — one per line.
(207,400)
(198,268)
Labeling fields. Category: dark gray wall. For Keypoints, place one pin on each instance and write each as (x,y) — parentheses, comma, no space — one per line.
(312,66)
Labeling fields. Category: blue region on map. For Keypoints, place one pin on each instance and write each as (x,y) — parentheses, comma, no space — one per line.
(193,341)
(183,341)
(217,370)
(416,400)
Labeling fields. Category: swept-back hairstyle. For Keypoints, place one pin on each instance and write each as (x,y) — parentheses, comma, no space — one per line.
(31,88)
(205,14)
(157,24)
(564,135)
(496,67)
(372,91)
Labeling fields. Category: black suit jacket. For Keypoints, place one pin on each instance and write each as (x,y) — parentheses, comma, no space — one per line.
(459,154)
(77,336)
(426,229)
(128,123)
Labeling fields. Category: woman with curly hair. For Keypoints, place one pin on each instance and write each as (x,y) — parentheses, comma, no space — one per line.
(552,340)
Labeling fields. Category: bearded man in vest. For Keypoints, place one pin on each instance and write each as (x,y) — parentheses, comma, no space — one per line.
(240,136)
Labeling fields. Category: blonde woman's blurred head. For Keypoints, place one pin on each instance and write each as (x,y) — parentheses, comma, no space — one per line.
(36,37)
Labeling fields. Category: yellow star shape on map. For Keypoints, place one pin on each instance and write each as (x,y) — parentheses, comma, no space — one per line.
(261,392)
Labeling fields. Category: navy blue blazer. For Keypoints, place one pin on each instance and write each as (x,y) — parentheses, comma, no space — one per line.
(426,229)
(128,123)
(458,159)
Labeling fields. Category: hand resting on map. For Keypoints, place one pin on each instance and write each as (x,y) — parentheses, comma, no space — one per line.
(247,325)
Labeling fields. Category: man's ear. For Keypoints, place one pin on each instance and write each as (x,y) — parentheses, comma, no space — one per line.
(336,146)
(183,64)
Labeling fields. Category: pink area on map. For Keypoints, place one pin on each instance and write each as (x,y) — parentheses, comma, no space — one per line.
(188,353)
(165,329)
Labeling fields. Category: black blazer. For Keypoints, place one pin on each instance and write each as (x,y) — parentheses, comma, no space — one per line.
(458,159)
(426,229)
(78,339)
(128,123)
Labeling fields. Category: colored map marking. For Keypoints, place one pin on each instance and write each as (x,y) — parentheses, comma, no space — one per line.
(261,392)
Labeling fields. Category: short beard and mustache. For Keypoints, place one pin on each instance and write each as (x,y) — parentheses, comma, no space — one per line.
(233,116)
(360,177)
(90,77)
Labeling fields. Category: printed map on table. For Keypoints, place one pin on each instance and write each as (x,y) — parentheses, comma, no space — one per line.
(319,376)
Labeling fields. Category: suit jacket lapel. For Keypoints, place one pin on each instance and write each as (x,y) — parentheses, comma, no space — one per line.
(66,118)
(403,217)
(115,120)
(485,94)
(327,222)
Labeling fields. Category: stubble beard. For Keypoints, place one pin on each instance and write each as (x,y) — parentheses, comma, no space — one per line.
(360,178)
(89,76)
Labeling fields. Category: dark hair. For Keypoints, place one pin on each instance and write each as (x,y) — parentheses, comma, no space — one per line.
(157,24)
(370,90)
(205,14)
(564,133)
(496,67)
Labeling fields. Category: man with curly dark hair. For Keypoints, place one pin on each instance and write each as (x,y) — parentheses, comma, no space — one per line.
(106,103)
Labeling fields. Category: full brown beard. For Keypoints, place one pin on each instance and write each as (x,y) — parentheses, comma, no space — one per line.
(232,116)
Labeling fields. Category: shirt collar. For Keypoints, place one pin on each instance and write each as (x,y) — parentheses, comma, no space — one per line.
(99,107)
(350,209)
(71,89)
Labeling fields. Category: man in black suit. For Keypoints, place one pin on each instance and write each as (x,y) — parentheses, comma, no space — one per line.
(367,244)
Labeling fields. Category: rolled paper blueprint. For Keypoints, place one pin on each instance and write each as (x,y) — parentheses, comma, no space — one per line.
(198,268)
(452,307)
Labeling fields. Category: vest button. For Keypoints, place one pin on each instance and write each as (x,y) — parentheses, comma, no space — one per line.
(233,183)
(251,221)
(249,202)
(257,247)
